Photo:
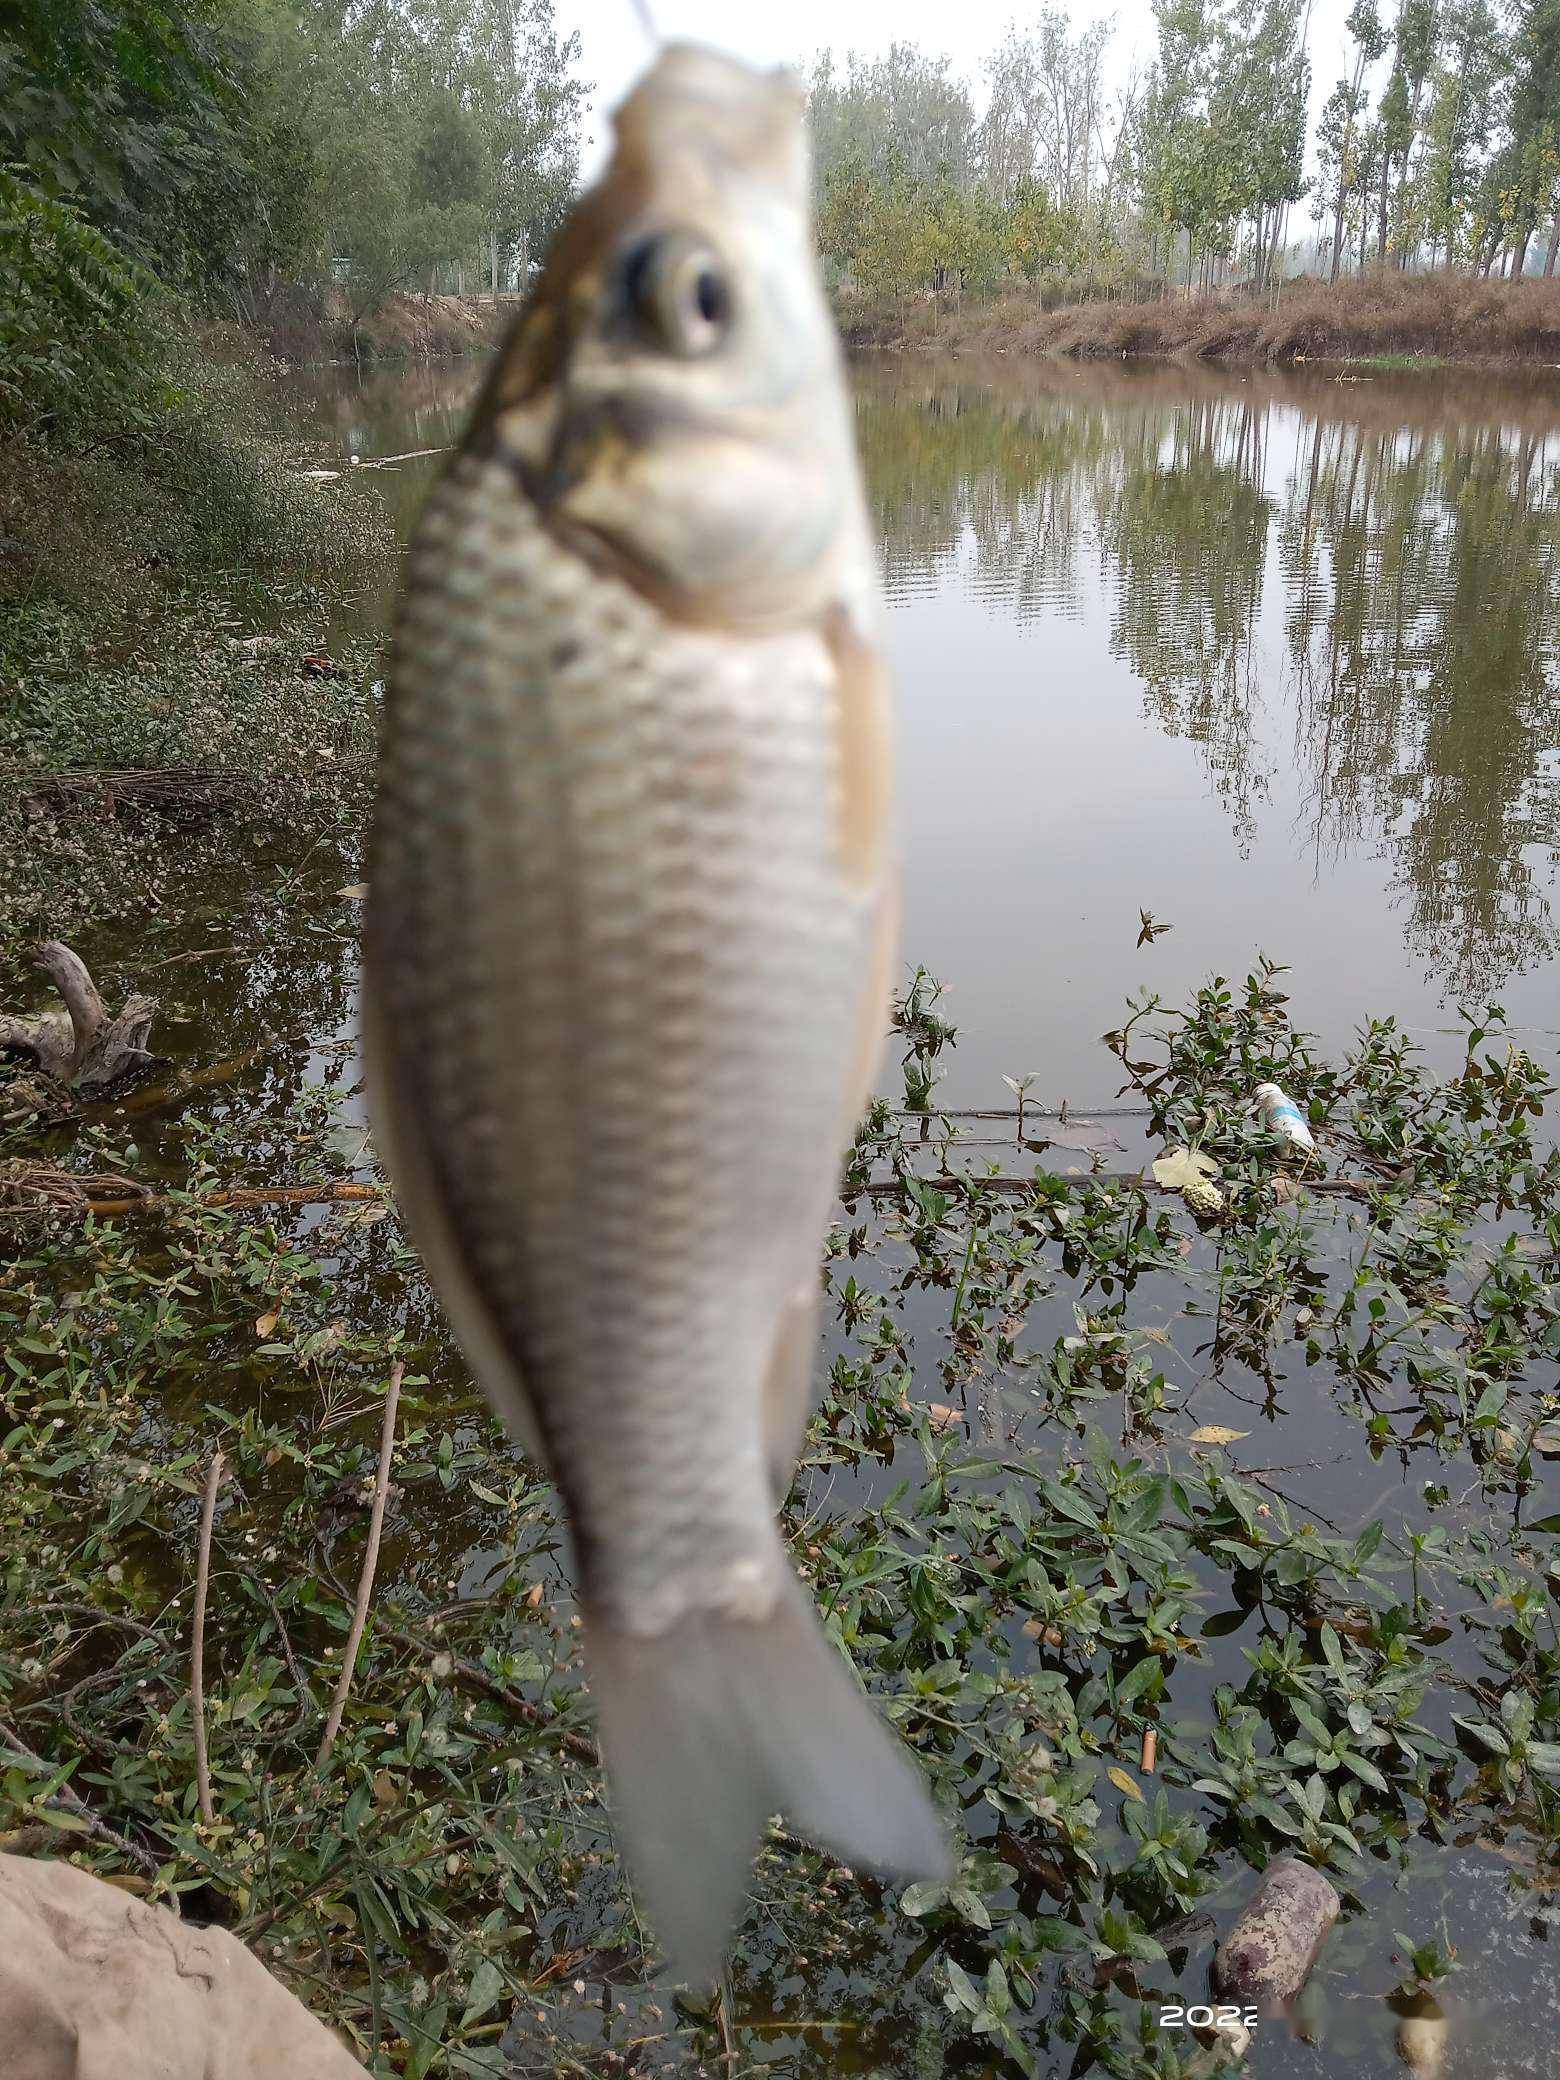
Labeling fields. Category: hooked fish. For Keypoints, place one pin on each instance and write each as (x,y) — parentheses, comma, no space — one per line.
(628,948)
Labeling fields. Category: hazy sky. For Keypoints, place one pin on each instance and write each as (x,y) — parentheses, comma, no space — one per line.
(787,31)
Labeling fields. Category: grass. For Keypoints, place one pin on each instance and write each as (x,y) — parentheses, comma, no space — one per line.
(1379,318)
(1009,1510)
(161,586)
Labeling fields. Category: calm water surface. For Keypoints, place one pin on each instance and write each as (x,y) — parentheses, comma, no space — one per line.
(1275,660)
(1272,658)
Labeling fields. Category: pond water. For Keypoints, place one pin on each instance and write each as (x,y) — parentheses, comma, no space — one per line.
(1272,658)
(1275,660)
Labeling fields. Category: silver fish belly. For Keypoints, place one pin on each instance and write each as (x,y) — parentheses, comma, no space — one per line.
(619,969)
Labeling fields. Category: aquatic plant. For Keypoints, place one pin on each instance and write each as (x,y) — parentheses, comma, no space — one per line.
(1037,1508)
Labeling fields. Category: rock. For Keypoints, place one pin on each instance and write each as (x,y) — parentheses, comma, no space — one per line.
(1267,1956)
(94,1982)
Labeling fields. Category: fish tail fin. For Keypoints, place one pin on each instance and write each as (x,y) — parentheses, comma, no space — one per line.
(710,1728)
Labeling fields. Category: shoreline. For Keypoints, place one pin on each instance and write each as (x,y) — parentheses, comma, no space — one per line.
(1382,323)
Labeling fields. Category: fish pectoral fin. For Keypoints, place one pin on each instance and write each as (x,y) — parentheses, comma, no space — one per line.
(710,1728)
(399,1142)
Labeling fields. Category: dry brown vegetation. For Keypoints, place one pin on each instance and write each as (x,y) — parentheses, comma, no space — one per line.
(1430,317)
(299,326)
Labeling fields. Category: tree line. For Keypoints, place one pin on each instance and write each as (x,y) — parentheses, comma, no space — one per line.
(224,148)
(1415,559)
(1439,145)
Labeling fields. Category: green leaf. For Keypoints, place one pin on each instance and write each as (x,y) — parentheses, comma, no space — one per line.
(1367,1772)
(922,1898)
(1369,1539)
(1051,1932)
(961,1989)
(67,1823)
(1142,1676)
(1481,1730)
(487,1982)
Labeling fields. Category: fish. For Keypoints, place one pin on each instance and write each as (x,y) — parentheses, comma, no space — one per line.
(628,948)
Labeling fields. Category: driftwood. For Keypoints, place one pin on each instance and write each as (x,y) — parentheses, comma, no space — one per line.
(81,1046)
(95,1982)
(1267,1956)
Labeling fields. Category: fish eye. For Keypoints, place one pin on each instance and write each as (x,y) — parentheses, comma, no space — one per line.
(676,290)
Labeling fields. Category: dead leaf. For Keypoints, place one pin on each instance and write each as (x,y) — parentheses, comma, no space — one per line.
(265,1326)
(126,1881)
(943,1417)
(1183,1166)
(387,1788)
(1215,1433)
(533,1596)
(1124,1783)
(354,892)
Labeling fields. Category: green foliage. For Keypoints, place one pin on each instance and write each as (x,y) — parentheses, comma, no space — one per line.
(129,108)
(1028,1598)
(75,334)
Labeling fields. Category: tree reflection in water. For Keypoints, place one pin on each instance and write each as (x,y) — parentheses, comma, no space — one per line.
(1372,563)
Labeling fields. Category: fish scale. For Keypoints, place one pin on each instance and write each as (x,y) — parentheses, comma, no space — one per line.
(709,912)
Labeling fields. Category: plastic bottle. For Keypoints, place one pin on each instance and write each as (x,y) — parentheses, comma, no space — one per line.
(1284,1116)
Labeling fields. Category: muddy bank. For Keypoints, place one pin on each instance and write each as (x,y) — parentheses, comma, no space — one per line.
(1378,317)
(301,326)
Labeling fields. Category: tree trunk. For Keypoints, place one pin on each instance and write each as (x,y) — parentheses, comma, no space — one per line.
(493,249)
(1553,252)
(1381,212)
(1280,225)
(1337,237)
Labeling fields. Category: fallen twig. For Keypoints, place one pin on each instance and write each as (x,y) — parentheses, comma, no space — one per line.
(208,1511)
(386,461)
(30,1187)
(45,1188)
(1075,1115)
(580,1745)
(1136,1180)
(75,1803)
(203,787)
(365,1588)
